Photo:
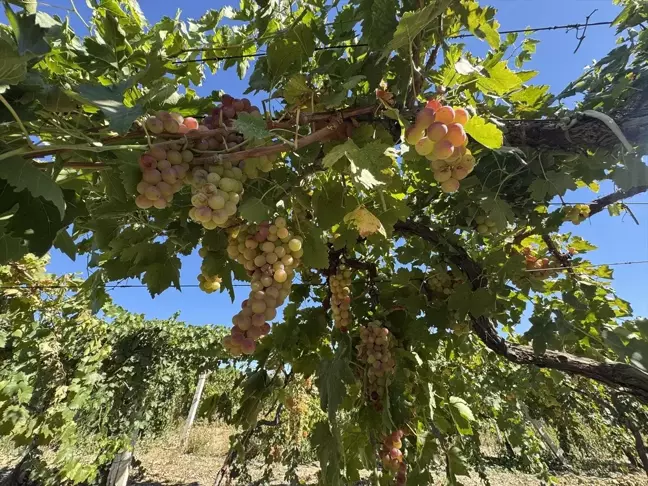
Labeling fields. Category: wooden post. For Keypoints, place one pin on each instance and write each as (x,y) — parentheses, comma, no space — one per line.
(120,467)
(192,411)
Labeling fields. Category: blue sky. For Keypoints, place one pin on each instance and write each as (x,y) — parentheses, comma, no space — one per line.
(618,239)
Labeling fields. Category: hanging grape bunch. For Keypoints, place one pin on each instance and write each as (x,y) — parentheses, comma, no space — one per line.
(216,194)
(340,284)
(270,253)
(392,456)
(208,283)
(442,281)
(171,123)
(538,267)
(486,225)
(578,213)
(374,351)
(163,168)
(438,134)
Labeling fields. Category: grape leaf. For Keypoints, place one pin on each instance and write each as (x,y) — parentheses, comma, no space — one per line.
(327,447)
(11,247)
(413,23)
(315,250)
(500,80)
(30,36)
(379,21)
(457,465)
(13,67)
(297,90)
(252,127)
(461,415)
(160,276)
(254,210)
(485,132)
(110,100)
(65,243)
(329,204)
(365,222)
(334,374)
(21,174)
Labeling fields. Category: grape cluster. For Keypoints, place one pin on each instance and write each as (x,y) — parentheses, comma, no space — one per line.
(228,111)
(207,282)
(438,134)
(539,266)
(374,351)
(578,213)
(442,282)
(340,285)
(486,225)
(173,123)
(163,169)
(392,456)
(216,194)
(270,254)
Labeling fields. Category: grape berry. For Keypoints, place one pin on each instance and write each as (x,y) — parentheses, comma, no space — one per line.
(578,213)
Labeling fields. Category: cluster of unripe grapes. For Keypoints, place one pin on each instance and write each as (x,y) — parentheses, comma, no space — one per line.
(538,267)
(486,225)
(163,169)
(578,213)
(340,284)
(270,253)
(173,123)
(374,351)
(216,194)
(208,283)
(438,134)
(392,456)
(442,282)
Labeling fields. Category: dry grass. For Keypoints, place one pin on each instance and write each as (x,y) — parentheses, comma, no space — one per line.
(164,465)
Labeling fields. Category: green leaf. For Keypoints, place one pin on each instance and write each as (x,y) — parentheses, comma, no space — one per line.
(413,23)
(254,210)
(379,21)
(327,447)
(500,80)
(110,100)
(286,53)
(485,133)
(13,67)
(11,247)
(315,250)
(252,127)
(560,182)
(480,22)
(297,90)
(333,376)
(329,204)
(461,415)
(457,465)
(65,243)
(22,175)
(531,97)
(29,35)
(160,276)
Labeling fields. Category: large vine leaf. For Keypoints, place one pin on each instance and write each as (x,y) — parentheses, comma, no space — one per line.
(413,23)
(485,132)
(110,99)
(22,175)
(13,66)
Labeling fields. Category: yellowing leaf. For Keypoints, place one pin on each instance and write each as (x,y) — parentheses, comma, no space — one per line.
(485,133)
(365,222)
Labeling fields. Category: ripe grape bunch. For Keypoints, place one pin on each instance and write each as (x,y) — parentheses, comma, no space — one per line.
(340,285)
(578,213)
(392,456)
(216,194)
(374,351)
(538,267)
(208,283)
(163,167)
(270,253)
(438,134)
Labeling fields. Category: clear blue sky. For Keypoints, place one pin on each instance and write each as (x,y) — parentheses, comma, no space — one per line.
(618,239)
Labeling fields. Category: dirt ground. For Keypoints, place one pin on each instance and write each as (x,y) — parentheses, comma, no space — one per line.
(163,465)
